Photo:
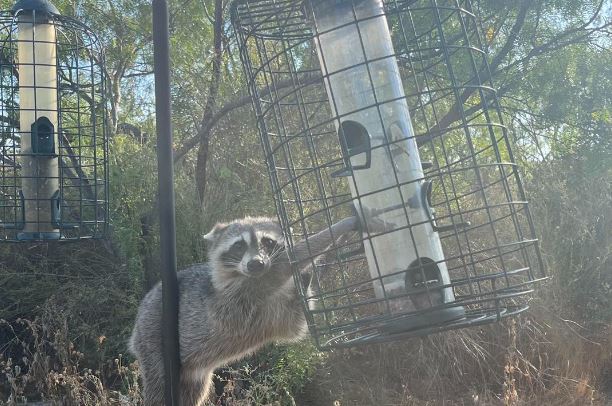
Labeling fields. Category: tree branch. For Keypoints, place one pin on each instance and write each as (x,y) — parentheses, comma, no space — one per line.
(456,112)
(484,75)
(241,101)
(138,74)
(213,90)
(132,130)
(78,178)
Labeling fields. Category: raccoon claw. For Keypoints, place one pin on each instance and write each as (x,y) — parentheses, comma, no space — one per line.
(306,279)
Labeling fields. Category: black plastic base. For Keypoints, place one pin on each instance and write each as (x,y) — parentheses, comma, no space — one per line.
(30,236)
(417,321)
(396,331)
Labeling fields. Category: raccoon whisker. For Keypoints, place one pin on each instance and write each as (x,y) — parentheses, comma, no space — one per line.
(233,258)
(279,249)
(231,263)
(276,255)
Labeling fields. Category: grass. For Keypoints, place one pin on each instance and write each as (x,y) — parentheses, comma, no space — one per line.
(558,353)
(537,359)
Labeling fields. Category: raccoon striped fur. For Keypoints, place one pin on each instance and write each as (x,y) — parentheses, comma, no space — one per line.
(230,306)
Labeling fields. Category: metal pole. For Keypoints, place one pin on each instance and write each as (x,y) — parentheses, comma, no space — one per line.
(170,293)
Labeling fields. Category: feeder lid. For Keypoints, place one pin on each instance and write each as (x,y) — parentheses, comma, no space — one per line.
(39,6)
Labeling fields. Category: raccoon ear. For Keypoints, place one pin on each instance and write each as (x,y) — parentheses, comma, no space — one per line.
(214,233)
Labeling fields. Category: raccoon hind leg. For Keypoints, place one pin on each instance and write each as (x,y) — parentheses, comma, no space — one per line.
(195,387)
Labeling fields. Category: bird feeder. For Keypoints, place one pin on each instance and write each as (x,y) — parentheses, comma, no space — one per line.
(384,109)
(53,147)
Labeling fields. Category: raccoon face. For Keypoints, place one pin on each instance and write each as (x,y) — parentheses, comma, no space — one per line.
(246,247)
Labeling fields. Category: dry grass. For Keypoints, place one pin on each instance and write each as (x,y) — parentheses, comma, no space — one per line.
(537,359)
(558,354)
(45,365)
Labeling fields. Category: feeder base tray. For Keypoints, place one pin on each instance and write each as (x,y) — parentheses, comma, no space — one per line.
(417,321)
(37,236)
(377,335)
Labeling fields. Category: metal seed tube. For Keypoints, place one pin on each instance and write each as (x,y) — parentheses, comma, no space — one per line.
(363,84)
(37,54)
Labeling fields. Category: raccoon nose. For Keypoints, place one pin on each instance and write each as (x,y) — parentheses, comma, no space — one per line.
(255,265)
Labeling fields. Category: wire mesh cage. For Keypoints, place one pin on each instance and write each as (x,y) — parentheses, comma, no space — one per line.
(53,146)
(386,109)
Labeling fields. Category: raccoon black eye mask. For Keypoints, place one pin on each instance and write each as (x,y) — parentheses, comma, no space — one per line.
(235,253)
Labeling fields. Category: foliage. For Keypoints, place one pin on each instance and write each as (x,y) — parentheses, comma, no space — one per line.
(552,63)
(573,205)
(274,376)
(50,366)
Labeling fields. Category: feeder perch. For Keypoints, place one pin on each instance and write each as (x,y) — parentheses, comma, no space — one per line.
(386,109)
(53,147)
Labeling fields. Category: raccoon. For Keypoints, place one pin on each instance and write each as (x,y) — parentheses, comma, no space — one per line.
(241,299)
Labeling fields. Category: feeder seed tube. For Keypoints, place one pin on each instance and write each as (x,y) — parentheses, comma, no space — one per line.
(364,86)
(37,60)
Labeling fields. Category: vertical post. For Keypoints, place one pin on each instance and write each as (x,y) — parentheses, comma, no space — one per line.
(170,291)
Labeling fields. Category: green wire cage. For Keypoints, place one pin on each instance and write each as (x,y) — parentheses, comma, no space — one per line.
(53,127)
(385,108)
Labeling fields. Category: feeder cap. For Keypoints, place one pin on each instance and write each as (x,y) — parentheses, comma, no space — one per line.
(39,6)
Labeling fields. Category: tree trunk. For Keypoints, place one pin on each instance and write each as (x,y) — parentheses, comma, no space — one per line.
(201,166)
(150,271)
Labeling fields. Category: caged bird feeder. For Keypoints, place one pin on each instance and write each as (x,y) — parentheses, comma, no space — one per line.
(385,109)
(53,144)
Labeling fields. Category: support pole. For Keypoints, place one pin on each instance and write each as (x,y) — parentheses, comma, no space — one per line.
(170,291)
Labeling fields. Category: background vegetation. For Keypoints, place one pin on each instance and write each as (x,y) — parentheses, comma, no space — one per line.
(67,310)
